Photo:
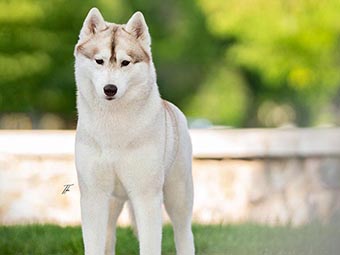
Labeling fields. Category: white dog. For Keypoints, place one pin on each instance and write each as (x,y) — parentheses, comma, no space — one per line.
(130,144)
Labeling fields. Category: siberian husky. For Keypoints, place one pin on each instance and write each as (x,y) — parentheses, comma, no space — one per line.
(130,145)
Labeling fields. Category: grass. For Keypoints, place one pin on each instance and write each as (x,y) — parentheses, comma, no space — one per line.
(244,239)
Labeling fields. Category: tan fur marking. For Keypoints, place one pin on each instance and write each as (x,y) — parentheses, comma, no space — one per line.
(88,52)
(120,39)
(138,54)
(113,57)
(136,57)
(92,26)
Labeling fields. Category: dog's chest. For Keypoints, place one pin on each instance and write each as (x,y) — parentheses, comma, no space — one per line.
(112,136)
(99,168)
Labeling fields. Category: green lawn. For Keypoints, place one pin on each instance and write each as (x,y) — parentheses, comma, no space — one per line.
(244,239)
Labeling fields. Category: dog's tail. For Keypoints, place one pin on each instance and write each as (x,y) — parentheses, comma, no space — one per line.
(132,219)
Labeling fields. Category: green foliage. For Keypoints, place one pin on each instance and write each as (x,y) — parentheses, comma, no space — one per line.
(37,39)
(221,60)
(222,98)
(291,46)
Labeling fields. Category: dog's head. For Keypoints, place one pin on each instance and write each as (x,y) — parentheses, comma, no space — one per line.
(114,61)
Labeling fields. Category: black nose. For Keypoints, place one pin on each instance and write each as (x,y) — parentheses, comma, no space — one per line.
(110,90)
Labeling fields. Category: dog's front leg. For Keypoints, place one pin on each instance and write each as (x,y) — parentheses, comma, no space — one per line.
(94,215)
(148,213)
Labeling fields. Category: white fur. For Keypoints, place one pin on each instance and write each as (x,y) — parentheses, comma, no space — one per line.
(134,148)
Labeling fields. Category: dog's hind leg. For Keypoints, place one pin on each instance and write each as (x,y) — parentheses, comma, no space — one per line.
(115,208)
(132,219)
(178,201)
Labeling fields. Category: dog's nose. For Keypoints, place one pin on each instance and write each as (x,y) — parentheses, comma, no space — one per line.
(110,90)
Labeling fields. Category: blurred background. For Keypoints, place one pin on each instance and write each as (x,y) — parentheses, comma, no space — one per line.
(242,67)
(249,63)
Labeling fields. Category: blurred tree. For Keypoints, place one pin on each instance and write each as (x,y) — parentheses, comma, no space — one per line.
(37,39)
(240,63)
(36,45)
(287,50)
(223,98)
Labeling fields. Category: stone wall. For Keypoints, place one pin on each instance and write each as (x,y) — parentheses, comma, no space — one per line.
(271,191)
(265,176)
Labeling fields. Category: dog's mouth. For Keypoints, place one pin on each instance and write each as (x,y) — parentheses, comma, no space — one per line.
(109,98)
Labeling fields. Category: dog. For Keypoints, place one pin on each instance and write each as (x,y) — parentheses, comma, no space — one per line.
(131,145)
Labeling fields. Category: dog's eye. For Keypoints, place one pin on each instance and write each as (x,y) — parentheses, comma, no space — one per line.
(125,63)
(99,61)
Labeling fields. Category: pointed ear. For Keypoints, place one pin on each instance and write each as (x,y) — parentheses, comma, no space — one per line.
(93,23)
(137,27)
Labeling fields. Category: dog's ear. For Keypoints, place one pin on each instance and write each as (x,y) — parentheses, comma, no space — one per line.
(138,28)
(93,23)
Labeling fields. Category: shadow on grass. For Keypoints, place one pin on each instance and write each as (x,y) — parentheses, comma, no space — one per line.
(246,239)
